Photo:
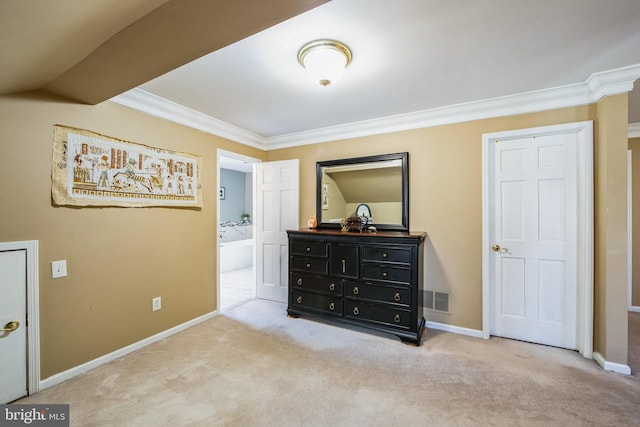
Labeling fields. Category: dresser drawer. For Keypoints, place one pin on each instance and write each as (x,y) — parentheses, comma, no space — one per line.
(386,273)
(386,254)
(307,248)
(311,265)
(326,285)
(323,303)
(378,314)
(387,294)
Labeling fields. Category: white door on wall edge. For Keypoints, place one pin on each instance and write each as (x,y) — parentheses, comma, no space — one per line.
(533,228)
(277,186)
(13,318)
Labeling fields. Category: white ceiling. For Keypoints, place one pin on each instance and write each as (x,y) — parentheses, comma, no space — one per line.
(408,56)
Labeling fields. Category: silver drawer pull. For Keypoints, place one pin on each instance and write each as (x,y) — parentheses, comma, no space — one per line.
(384,274)
(332,306)
(384,255)
(308,249)
(397,318)
(344,265)
(299,300)
(299,282)
(396,297)
(356,291)
(356,310)
(332,287)
(308,265)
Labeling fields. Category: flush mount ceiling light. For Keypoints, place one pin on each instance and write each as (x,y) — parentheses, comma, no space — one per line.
(325,60)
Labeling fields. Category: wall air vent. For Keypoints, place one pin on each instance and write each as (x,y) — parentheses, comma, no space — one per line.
(435,300)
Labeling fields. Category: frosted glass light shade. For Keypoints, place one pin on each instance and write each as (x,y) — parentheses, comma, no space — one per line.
(325,60)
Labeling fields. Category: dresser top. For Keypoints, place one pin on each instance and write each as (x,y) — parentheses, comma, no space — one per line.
(418,235)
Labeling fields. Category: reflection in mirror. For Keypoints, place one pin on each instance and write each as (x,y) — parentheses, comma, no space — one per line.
(374,186)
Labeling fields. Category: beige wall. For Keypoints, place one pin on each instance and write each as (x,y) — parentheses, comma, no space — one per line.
(445,192)
(634,146)
(118,258)
(611,237)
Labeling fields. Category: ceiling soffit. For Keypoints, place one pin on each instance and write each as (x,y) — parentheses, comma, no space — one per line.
(177,32)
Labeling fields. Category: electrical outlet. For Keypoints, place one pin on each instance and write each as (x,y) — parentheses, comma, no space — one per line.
(156,303)
(58,269)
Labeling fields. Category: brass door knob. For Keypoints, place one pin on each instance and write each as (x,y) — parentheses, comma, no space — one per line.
(497,248)
(11,326)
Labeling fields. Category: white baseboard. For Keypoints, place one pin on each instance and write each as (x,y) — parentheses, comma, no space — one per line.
(611,366)
(635,308)
(455,329)
(85,367)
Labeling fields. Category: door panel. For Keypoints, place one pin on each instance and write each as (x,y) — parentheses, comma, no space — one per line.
(512,212)
(13,307)
(551,275)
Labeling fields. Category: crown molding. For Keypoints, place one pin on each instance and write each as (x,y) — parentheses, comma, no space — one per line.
(634,130)
(597,86)
(157,106)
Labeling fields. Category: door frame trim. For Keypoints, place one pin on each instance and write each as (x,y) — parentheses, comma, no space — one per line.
(253,160)
(33,310)
(585,234)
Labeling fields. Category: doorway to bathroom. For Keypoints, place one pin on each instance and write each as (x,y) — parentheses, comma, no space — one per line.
(236,241)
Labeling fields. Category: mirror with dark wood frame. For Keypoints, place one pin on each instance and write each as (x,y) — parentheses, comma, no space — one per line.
(381,183)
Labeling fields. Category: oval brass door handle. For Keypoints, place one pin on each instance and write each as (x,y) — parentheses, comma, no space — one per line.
(11,326)
(497,248)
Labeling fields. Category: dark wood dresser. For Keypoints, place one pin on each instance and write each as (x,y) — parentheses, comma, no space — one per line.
(373,280)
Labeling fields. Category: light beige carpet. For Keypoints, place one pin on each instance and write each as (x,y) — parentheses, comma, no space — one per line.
(256,367)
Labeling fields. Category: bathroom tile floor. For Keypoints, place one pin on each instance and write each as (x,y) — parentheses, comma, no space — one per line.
(236,287)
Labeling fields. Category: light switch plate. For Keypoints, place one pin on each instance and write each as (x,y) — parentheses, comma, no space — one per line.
(59,269)
(156,303)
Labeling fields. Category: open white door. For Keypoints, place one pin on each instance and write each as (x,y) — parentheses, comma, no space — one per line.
(277,204)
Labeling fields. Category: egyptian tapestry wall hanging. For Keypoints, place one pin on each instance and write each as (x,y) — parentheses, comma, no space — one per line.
(90,169)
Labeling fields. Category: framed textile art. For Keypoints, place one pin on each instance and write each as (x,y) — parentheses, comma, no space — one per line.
(90,169)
